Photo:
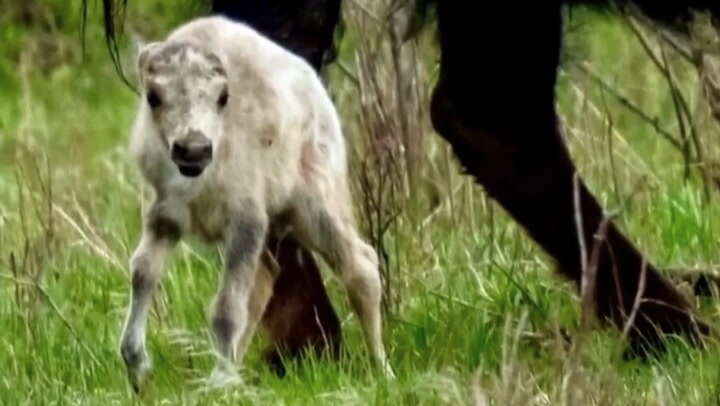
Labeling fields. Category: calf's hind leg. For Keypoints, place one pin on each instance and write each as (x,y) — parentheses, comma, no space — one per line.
(259,297)
(230,320)
(289,297)
(328,228)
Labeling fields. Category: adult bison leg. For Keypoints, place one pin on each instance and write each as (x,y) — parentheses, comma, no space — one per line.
(494,104)
(299,315)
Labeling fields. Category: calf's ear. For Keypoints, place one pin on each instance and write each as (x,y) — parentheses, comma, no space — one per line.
(144,52)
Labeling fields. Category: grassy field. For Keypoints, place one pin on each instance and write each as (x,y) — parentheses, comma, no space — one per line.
(476,314)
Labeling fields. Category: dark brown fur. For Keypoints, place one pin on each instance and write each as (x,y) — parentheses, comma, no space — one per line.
(299,316)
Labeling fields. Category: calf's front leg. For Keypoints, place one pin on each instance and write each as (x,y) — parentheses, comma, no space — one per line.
(161,231)
(245,240)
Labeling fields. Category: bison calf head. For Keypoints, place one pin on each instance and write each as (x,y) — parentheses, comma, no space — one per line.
(186,89)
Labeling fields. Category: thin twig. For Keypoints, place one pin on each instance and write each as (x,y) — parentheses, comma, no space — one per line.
(347,72)
(679,49)
(638,300)
(664,35)
(589,277)
(682,111)
(367,11)
(610,125)
(652,121)
(579,223)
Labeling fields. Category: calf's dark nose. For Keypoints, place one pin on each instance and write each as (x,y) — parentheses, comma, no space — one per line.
(191,149)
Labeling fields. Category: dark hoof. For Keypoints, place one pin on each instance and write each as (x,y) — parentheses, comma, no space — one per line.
(274,360)
(656,324)
(277,357)
(703,283)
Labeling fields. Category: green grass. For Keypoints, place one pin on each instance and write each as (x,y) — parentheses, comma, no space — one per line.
(479,313)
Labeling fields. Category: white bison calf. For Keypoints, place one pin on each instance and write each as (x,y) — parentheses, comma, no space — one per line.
(236,134)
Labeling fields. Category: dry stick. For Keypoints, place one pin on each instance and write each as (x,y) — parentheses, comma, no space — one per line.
(632,16)
(375,203)
(679,116)
(644,43)
(602,230)
(637,302)
(581,236)
(588,281)
(397,5)
(348,73)
(366,11)
(56,309)
(404,167)
(680,101)
(665,71)
(696,329)
(589,267)
(682,111)
(595,110)
(588,277)
(610,125)
(613,259)
(590,274)
(690,315)
(631,107)
(385,168)
(679,49)
(664,35)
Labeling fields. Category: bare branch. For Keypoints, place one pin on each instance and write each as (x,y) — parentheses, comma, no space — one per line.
(652,121)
